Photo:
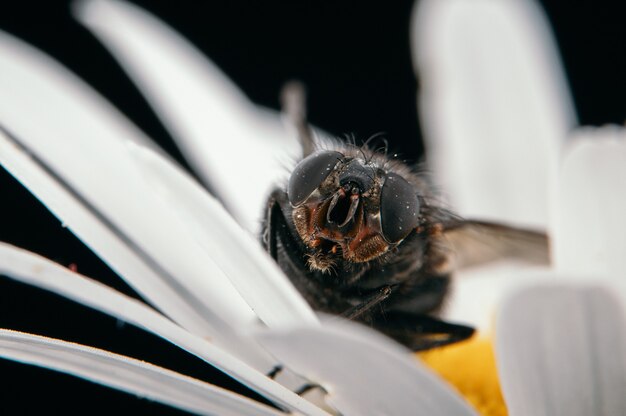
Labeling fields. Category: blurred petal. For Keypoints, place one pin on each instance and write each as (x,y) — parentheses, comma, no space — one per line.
(561,350)
(127,374)
(591,205)
(364,372)
(29,268)
(75,159)
(494,105)
(255,275)
(238,149)
(478,292)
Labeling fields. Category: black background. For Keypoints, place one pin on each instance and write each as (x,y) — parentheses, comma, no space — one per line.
(354,59)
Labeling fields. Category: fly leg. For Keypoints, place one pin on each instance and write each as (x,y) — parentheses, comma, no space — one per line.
(281,241)
(371,301)
(421,332)
(276,227)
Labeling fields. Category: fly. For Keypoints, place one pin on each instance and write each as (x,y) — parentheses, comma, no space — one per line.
(362,236)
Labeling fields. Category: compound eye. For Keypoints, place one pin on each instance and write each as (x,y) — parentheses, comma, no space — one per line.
(399,208)
(310,173)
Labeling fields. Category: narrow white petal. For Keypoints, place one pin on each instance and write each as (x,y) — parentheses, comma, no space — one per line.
(494,105)
(127,374)
(238,149)
(68,147)
(561,350)
(591,205)
(365,373)
(29,268)
(257,277)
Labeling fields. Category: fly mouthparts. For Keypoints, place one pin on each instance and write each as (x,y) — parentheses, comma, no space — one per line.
(339,208)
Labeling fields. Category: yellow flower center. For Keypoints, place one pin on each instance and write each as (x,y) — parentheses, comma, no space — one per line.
(470,367)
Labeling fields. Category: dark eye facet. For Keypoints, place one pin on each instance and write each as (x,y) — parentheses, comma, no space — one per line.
(399,208)
(310,173)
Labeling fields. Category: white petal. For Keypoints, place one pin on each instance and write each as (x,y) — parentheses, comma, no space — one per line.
(591,205)
(35,270)
(364,372)
(127,374)
(72,154)
(561,350)
(235,147)
(494,105)
(257,277)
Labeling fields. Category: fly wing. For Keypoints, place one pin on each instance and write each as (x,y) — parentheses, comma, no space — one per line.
(475,243)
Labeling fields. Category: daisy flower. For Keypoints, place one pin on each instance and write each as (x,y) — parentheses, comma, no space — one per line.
(206,287)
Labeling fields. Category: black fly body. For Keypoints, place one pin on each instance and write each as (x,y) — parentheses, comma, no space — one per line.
(358,236)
